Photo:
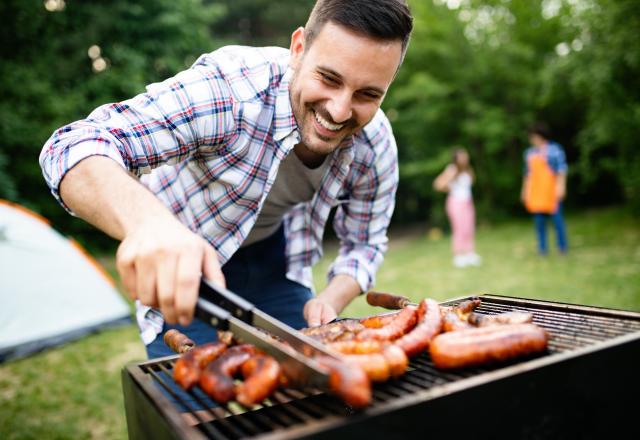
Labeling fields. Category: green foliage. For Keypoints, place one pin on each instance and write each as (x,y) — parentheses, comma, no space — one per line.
(48,80)
(476,74)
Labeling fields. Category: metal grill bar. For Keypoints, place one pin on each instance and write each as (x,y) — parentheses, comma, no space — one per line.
(287,410)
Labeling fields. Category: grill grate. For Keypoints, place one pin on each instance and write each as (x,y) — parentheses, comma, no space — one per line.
(290,410)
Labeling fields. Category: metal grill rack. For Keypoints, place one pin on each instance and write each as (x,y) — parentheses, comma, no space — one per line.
(587,338)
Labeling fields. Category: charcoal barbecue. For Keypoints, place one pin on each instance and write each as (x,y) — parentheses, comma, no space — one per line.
(587,385)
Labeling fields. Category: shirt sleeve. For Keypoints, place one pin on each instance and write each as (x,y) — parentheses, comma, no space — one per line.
(361,223)
(165,125)
(562,161)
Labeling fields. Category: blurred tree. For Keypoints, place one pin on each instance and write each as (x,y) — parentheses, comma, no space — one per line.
(260,22)
(602,67)
(471,77)
(50,76)
(476,74)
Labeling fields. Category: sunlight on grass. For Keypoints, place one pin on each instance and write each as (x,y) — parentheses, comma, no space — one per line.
(602,267)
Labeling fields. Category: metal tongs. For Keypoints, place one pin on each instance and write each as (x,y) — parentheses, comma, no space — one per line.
(226,310)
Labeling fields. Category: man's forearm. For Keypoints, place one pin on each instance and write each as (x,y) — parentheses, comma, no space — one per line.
(101,192)
(340,292)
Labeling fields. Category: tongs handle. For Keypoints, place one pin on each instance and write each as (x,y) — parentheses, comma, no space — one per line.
(217,304)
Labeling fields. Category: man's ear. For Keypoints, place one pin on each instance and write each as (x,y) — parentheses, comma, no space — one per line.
(297,47)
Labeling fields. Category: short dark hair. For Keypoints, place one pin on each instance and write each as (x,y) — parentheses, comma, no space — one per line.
(382,19)
(540,128)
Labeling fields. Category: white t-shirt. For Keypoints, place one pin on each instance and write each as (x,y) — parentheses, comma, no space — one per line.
(460,187)
(294,183)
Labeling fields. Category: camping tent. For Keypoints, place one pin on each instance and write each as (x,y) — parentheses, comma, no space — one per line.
(51,290)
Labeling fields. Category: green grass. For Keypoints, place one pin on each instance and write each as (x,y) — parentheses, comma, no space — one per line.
(602,267)
(74,392)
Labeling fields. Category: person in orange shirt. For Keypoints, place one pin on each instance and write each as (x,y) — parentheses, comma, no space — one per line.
(544,185)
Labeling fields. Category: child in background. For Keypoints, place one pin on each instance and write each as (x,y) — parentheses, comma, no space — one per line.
(456,180)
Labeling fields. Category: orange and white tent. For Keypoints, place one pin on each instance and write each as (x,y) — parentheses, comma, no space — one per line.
(51,290)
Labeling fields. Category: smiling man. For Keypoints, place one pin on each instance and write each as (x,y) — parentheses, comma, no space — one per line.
(230,170)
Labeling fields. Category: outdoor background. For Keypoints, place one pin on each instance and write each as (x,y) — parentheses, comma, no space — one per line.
(476,74)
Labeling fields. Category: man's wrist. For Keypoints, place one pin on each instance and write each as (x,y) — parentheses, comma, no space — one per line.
(340,292)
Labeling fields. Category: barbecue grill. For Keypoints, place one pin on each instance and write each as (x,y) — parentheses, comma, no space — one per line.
(585,386)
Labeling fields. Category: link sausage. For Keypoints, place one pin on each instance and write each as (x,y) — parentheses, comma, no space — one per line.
(420,337)
(217,378)
(188,368)
(347,381)
(482,345)
(403,322)
(261,377)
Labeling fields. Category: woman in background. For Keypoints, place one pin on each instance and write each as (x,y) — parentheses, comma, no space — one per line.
(456,180)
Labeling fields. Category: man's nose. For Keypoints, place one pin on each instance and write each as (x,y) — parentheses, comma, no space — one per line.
(340,108)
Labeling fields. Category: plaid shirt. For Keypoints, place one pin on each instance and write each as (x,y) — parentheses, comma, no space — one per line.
(554,155)
(208,143)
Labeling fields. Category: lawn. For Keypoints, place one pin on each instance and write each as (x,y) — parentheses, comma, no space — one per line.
(73,392)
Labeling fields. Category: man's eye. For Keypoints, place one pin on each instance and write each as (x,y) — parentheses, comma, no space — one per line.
(371,95)
(328,79)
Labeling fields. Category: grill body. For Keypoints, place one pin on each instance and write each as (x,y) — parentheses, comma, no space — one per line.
(586,386)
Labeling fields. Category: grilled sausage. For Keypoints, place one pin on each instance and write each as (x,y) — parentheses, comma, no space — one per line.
(188,367)
(480,320)
(401,323)
(378,321)
(336,331)
(478,346)
(261,377)
(217,378)
(356,347)
(451,321)
(468,305)
(396,358)
(178,342)
(349,382)
(375,365)
(420,337)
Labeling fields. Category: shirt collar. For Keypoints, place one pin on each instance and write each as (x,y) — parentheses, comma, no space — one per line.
(285,122)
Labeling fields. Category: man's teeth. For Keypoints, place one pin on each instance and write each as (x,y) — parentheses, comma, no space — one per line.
(326,124)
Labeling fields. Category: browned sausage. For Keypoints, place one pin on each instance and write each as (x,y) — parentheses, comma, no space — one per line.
(349,382)
(188,367)
(356,347)
(403,322)
(336,331)
(514,317)
(396,358)
(178,342)
(375,365)
(261,377)
(451,321)
(377,321)
(478,346)
(217,378)
(468,305)
(420,337)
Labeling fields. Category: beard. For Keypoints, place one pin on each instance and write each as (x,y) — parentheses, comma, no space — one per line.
(304,114)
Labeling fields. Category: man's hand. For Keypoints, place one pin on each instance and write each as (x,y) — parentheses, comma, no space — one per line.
(329,303)
(161,262)
(159,259)
(318,312)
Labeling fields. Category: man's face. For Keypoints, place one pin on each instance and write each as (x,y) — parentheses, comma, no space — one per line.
(338,84)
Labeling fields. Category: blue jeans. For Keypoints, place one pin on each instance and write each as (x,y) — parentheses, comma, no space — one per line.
(540,222)
(257,273)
